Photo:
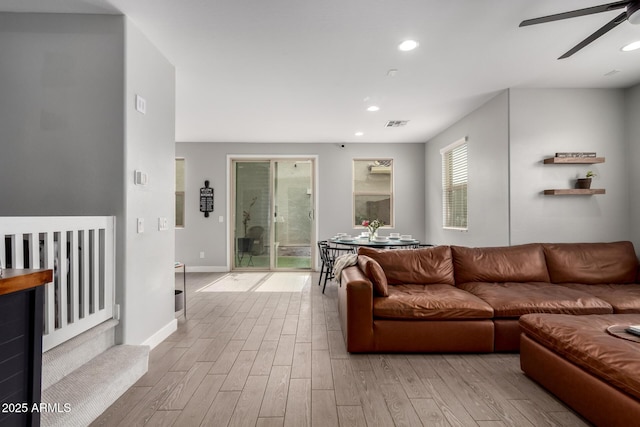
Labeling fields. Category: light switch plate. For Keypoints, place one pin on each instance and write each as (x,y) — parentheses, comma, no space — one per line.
(163,223)
(141,104)
(140,225)
(140,178)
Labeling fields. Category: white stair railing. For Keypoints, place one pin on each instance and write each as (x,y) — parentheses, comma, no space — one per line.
(81,251)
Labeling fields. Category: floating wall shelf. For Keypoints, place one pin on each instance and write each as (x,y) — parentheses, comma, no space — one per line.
(573,160)
(574,192)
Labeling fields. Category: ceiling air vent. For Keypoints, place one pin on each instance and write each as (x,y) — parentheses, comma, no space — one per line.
(396,123)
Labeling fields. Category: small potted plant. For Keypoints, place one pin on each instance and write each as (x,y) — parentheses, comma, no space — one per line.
(586,181)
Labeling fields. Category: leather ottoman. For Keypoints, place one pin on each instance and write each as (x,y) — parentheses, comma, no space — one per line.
(575,358)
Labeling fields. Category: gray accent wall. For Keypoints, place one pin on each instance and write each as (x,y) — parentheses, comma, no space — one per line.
(71,140)
(487,130)
(61,115)
(209,161)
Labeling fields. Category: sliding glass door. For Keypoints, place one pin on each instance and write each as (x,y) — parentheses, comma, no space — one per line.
(273,214)
(293,213)
(252,214)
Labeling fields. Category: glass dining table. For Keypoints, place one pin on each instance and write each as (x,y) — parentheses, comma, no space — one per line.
(378,244)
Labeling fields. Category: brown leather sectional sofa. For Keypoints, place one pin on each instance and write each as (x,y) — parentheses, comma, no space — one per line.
(591,370)
(460,299)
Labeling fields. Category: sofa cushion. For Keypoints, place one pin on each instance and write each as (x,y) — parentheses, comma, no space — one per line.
(515,299)
(624,298)
(374,272)
(591,263)
(433,301)
(423,266)
(584,341)
(522,263)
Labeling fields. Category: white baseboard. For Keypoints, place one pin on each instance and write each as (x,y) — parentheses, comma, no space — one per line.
(162,334)
(207,269)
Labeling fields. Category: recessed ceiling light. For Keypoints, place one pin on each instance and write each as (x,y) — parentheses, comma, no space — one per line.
(631,46)
(373,108)
(408,45)
(359,133)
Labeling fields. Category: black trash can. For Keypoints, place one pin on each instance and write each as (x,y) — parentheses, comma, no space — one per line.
(179,300)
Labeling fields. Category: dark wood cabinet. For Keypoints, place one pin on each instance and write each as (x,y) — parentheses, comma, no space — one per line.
(21,323)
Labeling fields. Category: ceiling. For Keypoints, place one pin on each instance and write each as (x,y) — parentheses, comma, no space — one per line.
(305,70)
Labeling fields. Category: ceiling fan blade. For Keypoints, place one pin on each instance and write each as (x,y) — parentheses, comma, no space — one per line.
(575,13)
(604,29)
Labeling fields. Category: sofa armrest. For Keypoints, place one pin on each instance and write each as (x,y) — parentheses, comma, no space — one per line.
(355,305)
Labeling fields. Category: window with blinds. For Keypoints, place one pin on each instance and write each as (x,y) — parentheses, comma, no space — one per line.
(454,185)
(373,191)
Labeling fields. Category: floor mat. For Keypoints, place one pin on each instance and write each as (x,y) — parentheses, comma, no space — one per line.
(234,282)
(285,282)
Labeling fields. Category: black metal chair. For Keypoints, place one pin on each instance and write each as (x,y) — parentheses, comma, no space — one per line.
(421,245)
(321,245)
(329,254)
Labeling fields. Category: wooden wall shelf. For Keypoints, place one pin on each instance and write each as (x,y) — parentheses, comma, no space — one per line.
(573,160)
(574,192)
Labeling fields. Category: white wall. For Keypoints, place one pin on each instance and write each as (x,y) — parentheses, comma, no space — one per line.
(148,299)
(61,115)
(513,134)
(209,161)
(487,129)
(632,117)
(543,122)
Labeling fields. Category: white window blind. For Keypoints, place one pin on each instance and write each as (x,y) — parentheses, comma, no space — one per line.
(454,185)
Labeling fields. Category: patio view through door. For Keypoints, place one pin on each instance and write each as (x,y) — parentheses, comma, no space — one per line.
(273,208)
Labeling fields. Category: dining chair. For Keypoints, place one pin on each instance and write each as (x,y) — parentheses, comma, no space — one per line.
(329,255)
(421,245)
(321,245)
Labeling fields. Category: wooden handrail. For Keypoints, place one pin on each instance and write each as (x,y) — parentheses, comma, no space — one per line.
(20,279)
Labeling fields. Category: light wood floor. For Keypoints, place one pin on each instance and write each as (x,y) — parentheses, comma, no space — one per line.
(278,359)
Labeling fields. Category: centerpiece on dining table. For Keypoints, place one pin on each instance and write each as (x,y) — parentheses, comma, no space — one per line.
(372,226)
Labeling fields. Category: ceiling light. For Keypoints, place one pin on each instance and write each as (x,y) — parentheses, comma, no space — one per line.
(359,133)
(408,45)
(373,108)
(631,46)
